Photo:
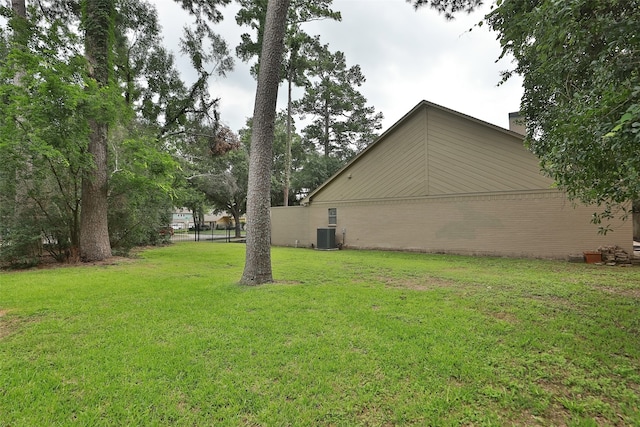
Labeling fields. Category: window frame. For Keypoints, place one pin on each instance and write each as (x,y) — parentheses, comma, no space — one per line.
(333,216)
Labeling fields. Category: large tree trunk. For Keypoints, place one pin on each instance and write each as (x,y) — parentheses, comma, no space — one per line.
(236,220)
(327,143)
(257,267)
(94,231)
(19,7)
(287,161)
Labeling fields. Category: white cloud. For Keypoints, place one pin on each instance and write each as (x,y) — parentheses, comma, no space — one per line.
(405,55)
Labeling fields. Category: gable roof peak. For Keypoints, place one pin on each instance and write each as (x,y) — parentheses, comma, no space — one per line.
(424,104)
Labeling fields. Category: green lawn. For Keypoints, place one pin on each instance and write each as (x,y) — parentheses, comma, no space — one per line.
(343,338)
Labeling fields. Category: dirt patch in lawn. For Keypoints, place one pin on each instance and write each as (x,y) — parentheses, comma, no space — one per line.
(425,283)
(11,323)
(623,292)
(286,282)
(47,263)
(7,324)
(505,317)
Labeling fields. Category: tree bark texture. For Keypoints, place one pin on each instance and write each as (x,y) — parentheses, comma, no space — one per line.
(94,231)
(287,161)
(19,7)
(327,143)
(257,267)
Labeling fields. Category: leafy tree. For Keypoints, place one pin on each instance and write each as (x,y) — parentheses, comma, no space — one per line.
(449,7)
(206,13)
(42,119)
(295,63)
(182,118)
(289,154)
(6,181)
(257,267)
(141,189)
(46,122)
(169,117)
(253,13)
(216,174)
(98,23)
(315,170)
(147,73)
(4,45)
(149,79)
(581,103)
(17,237)
(226,190)
(341,124)
(298,152)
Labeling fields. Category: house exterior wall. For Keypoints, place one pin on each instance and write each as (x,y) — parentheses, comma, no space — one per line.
(537,224)
(290,227)
(439,181)
(393,169)
(468,157)
(438,153)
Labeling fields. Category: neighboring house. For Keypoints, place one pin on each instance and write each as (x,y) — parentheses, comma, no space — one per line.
(441,181)
(227,221)
(182,219)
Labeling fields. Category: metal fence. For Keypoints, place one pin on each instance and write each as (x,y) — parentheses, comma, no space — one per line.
(212,235)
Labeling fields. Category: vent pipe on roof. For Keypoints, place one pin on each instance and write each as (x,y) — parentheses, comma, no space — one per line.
(516,123)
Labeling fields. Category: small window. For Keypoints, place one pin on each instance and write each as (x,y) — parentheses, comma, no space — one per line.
(333,216)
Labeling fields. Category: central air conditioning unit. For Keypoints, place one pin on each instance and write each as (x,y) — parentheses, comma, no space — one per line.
(326,238)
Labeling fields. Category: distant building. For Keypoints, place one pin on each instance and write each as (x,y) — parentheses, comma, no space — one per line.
(182,219)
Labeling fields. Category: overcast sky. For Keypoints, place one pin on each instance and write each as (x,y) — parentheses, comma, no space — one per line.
(405,55)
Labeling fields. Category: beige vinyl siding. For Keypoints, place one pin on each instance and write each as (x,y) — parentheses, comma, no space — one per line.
(436,152)
(467,157)
(394,168)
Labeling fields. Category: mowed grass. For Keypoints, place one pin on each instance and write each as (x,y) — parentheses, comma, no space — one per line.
(343,338)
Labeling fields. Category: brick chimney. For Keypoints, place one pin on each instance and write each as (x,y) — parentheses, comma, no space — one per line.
(516,123)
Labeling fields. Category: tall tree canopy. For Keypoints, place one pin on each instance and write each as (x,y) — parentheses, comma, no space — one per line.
(253,13)
(295,62)
(341,122)
(43,134)
(449,7)
(579,60)
(88,93)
